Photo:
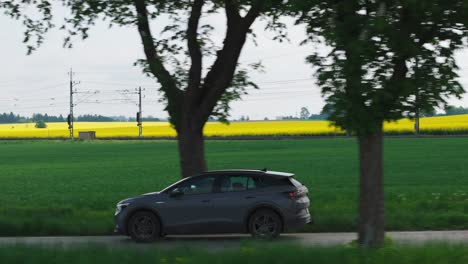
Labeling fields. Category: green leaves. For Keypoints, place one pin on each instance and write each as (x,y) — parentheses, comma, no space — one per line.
(240,83)
(35,28)
(388,59)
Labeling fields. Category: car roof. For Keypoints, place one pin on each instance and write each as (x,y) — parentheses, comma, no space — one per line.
(262,172)
(215,172)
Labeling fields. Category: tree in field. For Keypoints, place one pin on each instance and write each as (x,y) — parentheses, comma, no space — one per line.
(177,57)
(305,114)
(383,56)
(40,124)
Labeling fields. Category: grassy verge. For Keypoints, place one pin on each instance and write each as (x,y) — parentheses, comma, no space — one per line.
(71,188)
(433,254)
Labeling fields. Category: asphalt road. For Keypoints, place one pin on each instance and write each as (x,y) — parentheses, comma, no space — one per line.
(217,242)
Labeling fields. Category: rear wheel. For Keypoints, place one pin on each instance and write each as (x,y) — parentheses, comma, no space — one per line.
(144,227)
(265,224)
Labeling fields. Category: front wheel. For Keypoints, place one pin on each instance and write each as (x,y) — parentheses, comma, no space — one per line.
(265,224)
(144,227)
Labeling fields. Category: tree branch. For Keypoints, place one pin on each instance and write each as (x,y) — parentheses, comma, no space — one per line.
(194,48)
(167,81)
(220,76)
(232,11)
(253,13)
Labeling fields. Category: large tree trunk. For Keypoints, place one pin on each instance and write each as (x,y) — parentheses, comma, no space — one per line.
(191,148)
(416,123)
(417,116)
(371,226)
(190,108)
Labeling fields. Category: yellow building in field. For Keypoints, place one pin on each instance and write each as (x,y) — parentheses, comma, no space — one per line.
(441,125)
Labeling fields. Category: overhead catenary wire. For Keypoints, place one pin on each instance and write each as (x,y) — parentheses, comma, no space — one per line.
(251,97)
(40,106)
(277,85)
(268,90)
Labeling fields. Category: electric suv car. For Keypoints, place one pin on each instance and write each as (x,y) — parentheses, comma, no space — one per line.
(263,203)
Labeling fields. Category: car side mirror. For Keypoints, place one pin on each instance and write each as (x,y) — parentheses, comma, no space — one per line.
(176,192)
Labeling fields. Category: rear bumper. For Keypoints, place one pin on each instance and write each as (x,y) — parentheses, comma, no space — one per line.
(298,221)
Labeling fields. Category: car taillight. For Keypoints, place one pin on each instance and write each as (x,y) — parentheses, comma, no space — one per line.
(295,195)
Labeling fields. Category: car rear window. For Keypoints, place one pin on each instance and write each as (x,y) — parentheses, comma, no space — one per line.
(268,181)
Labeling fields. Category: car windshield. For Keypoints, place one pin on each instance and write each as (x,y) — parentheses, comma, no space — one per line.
(197,185)
(173,185)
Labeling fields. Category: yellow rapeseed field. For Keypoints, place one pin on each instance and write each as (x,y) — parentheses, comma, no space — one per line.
(441,125)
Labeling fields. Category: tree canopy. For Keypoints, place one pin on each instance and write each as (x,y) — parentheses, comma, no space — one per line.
(384,55)
(193,90)
(176,57)
(385,60)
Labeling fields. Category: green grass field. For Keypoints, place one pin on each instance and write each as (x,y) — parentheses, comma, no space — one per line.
(249,253)
(64,188)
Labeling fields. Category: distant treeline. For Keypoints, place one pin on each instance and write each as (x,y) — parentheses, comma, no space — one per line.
(93,118)
(11,118)
(305,114)
(311,117)
(453,110)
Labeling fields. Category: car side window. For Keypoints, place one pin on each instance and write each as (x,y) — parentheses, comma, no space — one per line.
(198,185)
(236,183)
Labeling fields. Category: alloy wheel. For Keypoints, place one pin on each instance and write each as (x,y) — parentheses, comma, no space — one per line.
(265,226)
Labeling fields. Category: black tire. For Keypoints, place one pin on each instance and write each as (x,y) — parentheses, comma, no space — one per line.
(265,224)
(144,227)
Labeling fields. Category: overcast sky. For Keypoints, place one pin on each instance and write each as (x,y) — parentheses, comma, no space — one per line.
(104,63)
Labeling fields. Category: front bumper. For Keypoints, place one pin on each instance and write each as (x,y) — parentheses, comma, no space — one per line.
(119,224)
(119,231)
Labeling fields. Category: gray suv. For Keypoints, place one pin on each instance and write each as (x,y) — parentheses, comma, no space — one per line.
(263,203)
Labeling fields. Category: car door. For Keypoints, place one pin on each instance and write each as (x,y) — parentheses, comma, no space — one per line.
(236,195)
(190,212)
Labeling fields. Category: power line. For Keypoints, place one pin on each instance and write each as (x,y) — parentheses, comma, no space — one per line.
(268,99)
(42,89)
(274,89)
(116,83)
(155,84)
(20,100)
(38,106)
(89,93)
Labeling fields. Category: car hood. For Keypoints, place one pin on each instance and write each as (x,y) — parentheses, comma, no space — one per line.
(152,195)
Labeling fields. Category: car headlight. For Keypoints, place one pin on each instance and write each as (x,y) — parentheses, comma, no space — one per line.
(120,207)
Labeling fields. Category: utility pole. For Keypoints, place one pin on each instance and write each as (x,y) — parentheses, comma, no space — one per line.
(416,104)
(139,115)
(70,115)
(417,114)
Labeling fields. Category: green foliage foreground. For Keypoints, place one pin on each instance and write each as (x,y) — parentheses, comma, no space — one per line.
(260,253)
(65,188)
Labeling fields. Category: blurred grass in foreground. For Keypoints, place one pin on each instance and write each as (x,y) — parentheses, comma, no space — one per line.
(267,252)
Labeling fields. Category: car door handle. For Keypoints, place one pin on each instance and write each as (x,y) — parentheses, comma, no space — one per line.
(250,197)
(206,201)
